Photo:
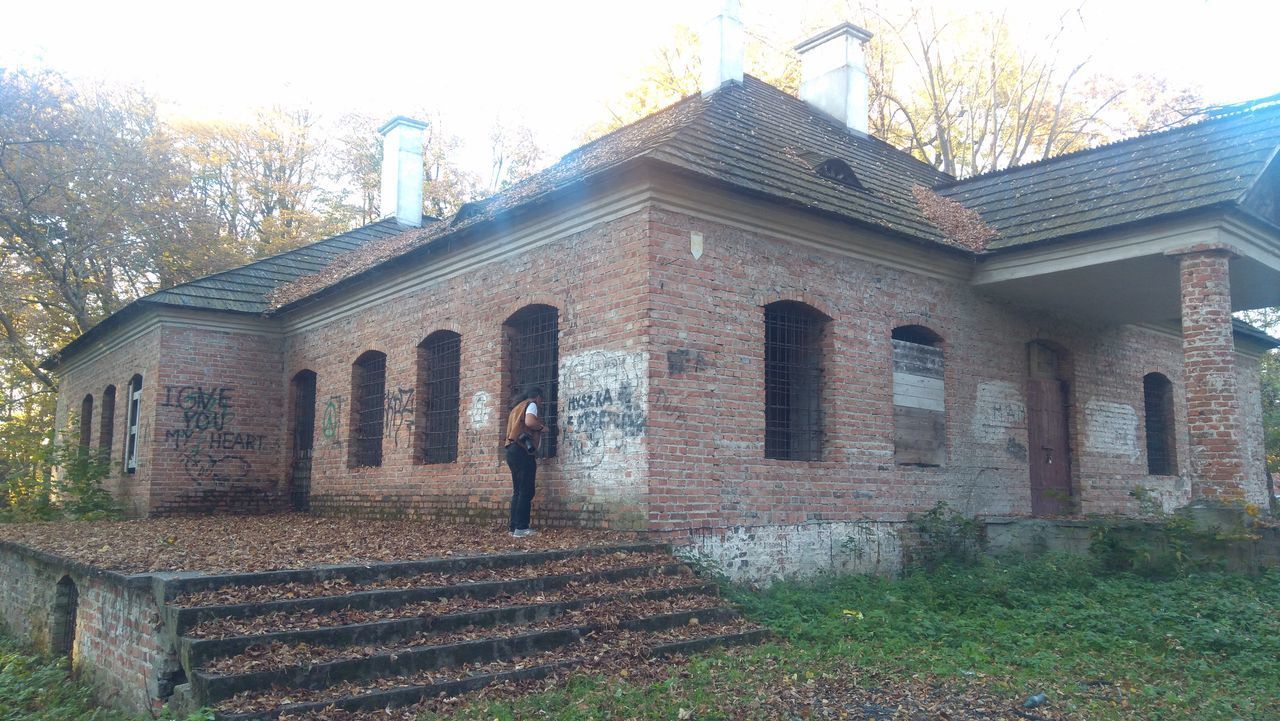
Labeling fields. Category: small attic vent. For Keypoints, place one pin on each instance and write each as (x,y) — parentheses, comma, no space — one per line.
(839,171)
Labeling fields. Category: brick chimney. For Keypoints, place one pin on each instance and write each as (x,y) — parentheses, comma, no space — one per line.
(402,169)
(722,48)
(833,75)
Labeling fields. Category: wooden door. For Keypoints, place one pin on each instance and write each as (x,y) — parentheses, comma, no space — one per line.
(304,390)
(1048,449)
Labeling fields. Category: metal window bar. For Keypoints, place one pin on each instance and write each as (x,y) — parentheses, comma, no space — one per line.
(369,393)
(107,426)
(1162,459)
(304,409)
(442,356)
(535,361)
(66,604)
(86,422)
(793,383)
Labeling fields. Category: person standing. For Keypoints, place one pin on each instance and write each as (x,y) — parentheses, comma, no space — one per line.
(524,437)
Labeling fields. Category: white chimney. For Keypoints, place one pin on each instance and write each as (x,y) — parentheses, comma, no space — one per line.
(722,48)
(833,75)
(402,169)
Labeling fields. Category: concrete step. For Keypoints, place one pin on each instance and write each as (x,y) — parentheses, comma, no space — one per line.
(387,694)
(209,690)
(197,653)
(180,589)
(187,621)
(362,637)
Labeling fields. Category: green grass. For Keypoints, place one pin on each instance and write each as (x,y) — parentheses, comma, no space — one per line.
(37,689)
(1203,647)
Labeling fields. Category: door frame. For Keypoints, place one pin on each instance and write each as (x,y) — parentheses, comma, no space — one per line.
(1061,371)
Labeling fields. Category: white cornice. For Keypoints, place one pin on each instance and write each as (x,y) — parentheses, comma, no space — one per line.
(155,316)
(608,200)
(680,194)
(1154,240)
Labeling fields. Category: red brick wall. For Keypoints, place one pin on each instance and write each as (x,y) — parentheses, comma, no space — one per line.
(706,420)
(218,435)
(597,279)
(1212,401)
(119,647)
(138,356)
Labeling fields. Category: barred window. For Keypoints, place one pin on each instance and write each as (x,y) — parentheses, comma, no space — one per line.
(86,421)
(107,425)
(533,359)
(1162,450)
(66,604)
(793,340)
(439,370)
(919,397)
(368,394)
(131,424)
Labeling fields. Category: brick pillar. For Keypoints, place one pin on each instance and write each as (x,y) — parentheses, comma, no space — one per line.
(1209,365)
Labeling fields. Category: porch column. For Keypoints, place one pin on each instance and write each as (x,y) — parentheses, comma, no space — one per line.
(1209,367)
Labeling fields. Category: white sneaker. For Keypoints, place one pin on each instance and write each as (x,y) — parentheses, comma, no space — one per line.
(523,532)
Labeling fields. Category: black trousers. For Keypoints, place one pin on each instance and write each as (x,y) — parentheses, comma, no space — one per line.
(524,472)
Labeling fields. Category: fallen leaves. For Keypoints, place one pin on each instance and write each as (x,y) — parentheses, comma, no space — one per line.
(280,541)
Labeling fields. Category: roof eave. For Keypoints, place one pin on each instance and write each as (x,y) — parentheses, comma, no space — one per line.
(1210,209)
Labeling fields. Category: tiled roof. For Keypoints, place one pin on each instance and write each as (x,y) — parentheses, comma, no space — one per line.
(1187,168)
(245,289)
(750,135)
(240,290)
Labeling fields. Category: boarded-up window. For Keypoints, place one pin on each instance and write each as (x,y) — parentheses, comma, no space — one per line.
(919,398)
(533,360)
(793,334)
(1162,450)
(131,424)
(107,425)
(368,395)
(439,363)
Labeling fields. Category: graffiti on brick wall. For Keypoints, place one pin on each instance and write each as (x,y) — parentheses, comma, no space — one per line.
(213,452)
(603,412)
(481,409)
(397,414)
(1111,429)
(999,414)
(331,421)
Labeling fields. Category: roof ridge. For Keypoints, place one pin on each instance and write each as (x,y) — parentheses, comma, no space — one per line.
(1259,106)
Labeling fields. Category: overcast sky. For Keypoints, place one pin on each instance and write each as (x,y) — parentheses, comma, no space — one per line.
(551,63)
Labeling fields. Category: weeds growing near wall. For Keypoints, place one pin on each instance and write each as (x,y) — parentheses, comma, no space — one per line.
(75,491)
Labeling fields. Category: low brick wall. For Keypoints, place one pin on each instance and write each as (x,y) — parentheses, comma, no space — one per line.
(118,641)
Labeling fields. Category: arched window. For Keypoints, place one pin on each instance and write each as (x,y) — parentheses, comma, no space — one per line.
(533,359)
(919,397)
(107,425)
(1162,450)
(368,395)
(131,423)
(86,421)
(793,342)
(303,396)
(439,364)
(66,604)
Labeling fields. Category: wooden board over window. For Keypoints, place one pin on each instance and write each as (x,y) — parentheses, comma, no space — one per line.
(919,405)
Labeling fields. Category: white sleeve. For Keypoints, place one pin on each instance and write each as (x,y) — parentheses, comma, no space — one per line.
(531,410)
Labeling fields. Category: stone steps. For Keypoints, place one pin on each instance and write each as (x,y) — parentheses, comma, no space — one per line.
(296,642)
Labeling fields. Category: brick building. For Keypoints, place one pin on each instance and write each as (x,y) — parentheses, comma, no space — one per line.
(760,329)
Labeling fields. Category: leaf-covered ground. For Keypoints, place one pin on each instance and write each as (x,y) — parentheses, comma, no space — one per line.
(261,543)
